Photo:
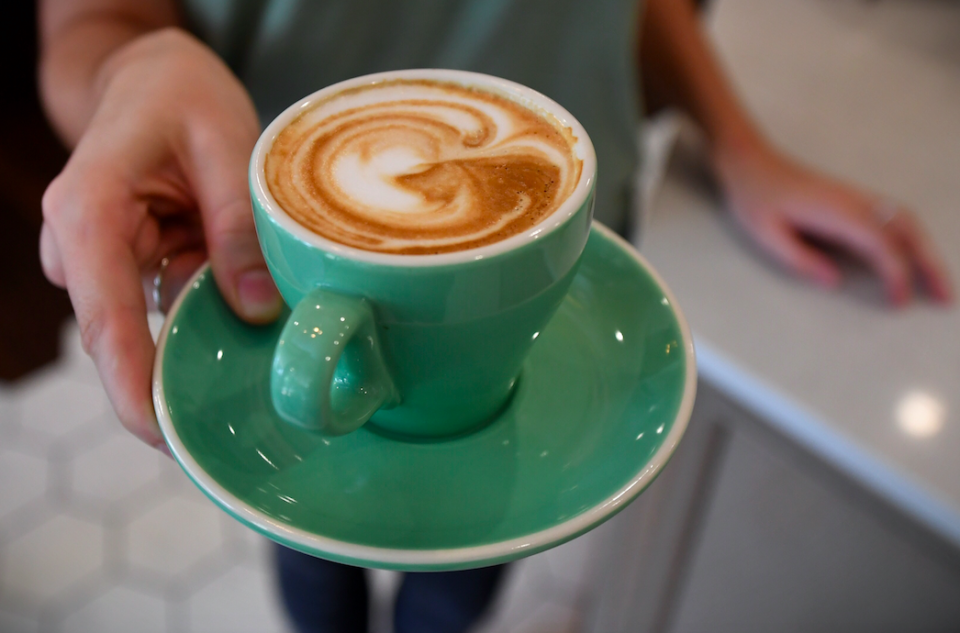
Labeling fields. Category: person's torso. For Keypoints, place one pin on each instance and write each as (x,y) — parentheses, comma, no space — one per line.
(581,53)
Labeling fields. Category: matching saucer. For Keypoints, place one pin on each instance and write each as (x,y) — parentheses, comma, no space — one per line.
(603,399)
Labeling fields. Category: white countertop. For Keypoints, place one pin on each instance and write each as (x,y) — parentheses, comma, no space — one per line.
(870,92)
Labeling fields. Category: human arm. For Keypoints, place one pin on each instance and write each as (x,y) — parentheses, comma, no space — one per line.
(161,134)
(777,201)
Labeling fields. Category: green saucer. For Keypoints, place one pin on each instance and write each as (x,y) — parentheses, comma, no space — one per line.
(602,402)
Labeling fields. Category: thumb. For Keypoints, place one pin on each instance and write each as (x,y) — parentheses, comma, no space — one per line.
(237,262)
(220,182)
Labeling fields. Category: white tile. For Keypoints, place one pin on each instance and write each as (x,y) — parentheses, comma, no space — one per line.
(22,479)
(183,486)
(74,362)
(532,574)
(176,480)
(656,139)
(49,559)
(9,415)
(10,623)
(54,405)
(551,618)
(109,423)
(172,536)
(255,549)
(119,610)
(115,468)
(240,601)
(384,585)
(155,321)
(527,585)
(568,564)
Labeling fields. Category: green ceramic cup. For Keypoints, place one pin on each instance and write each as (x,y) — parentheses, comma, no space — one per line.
(424,346)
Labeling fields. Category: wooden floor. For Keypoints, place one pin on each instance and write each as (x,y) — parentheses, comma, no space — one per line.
(31,310)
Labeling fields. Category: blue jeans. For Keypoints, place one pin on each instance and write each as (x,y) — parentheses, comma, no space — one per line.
(326,597)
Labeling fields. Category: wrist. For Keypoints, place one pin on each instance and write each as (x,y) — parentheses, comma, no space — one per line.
(145,45)
(730,153)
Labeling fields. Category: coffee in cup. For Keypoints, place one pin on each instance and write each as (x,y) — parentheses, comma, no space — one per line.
(421,166)
(423,226)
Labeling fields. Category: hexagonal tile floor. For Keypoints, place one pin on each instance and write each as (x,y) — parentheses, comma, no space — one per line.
(100,534)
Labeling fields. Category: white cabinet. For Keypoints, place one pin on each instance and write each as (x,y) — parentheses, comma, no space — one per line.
(744,531)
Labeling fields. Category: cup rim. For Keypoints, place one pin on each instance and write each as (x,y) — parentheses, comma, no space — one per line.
(519,93)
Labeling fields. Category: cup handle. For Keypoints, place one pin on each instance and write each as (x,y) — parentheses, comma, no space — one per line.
(328,372)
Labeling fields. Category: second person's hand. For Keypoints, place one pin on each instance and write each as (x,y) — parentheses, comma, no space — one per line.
(779,203)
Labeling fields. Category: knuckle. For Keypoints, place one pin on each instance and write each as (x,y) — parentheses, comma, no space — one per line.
(50,257)
(54,199)
(908,220)
(171,39)
(66,203)
(91,331)
(97,320)
(873,242)
(206,134)
(233,221)
(171,34)
(895,261)
(907,213)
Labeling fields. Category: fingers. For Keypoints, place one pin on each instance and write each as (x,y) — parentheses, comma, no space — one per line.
(172,132)
(785,245)
(220,179)
(778,202)
(884,255)
(103,281)
(238,264)
(849,222)
(923,254)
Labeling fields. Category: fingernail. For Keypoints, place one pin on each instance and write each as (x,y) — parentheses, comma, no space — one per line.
(259,299)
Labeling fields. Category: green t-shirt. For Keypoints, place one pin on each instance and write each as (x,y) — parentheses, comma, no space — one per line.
(581,53)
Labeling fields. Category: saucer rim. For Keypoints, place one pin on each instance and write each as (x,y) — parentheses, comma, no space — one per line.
(445,558)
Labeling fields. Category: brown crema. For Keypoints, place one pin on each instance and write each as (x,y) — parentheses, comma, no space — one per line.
(421,167)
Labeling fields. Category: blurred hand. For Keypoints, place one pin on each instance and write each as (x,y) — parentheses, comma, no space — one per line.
(160,171)
(779,202)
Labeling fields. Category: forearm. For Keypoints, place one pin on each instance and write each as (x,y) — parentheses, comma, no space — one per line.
(78,40)
(680,70)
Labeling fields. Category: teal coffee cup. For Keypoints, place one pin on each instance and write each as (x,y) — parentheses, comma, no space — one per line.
(426,345)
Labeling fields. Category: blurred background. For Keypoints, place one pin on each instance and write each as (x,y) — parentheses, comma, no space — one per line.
(818,488)
(30,156)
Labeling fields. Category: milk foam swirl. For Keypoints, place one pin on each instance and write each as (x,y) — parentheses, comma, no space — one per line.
(421,167)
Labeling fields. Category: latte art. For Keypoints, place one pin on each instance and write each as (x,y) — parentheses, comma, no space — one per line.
(421,167)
